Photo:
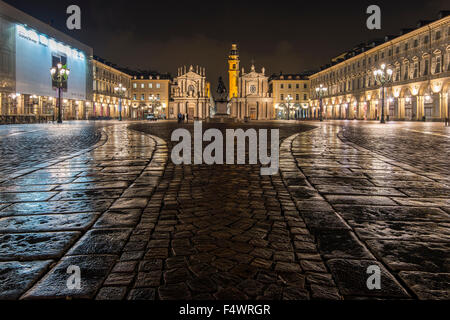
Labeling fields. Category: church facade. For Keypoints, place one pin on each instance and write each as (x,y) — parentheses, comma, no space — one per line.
(189,94)
(249,93)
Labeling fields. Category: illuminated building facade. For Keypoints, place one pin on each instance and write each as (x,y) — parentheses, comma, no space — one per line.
(420,86)
(29,48)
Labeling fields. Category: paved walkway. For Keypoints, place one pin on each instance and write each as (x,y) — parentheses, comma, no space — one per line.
(220,232)
(367,209)
(75,211)
(139,227)
(24,146)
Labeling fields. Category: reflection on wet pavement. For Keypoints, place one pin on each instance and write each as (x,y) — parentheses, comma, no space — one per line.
(55,207)
(376,197)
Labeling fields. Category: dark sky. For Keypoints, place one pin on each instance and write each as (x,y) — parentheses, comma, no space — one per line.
(288,36)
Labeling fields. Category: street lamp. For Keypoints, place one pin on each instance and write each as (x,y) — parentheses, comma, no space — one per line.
(288,102)
(120,90)
(60,74)
(382,76)
(154,102)
(321,92)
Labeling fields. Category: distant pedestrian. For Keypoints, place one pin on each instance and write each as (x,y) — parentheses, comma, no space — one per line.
(187,118)
(446,122)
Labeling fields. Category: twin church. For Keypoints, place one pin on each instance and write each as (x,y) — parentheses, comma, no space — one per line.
(249,92)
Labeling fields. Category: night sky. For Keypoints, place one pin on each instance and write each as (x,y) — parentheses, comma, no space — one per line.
(288,36)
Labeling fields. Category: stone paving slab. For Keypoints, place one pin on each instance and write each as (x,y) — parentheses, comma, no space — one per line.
(17,277)
(93,271)
(56,207)
(72,205)
(396,216)
(35,246)
(42,223)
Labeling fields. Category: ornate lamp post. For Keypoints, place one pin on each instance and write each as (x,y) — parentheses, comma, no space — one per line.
(321,92)
(154,102)
(60,74)
(288,102)
(382,76)
(120,90)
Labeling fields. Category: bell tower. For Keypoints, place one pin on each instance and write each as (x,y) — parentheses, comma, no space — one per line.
(233,71)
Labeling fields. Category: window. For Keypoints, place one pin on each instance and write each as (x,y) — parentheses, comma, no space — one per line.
(297,97)
(406,76)
(425,40)
(281,86)
(142,85)
(438,35)
(426,67)
(305,97)
(289,86)
(142,96)
(134,85)
(134,97)
(438,64)
(150,85)
(397,50)
(297,86)
(406,46)
(282,97)
(416,43)
(416,70)
(305,86)
(158,86)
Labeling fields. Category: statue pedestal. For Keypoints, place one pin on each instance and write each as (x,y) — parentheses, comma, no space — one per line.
(221,108)
(221,115)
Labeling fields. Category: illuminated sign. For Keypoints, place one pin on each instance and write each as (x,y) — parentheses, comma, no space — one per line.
(44,40)
(36,54)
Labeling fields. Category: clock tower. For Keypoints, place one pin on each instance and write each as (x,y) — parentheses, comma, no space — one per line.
(233,71)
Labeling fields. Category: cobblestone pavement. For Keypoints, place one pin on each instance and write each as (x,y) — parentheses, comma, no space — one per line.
(220,232)
(75,210)
(23,146)
(141,228)
(368,209)
(422,145)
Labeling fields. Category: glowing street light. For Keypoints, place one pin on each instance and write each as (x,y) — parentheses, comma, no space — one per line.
(59,75)
(382,76)
(321,92)
(120,90)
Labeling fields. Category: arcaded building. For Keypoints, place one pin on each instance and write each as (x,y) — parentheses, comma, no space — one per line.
(420,62)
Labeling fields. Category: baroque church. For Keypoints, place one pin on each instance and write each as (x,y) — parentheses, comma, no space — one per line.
(189,93)
(249,92)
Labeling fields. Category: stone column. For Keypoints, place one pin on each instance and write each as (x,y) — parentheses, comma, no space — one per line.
(420,107)
(442,106)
